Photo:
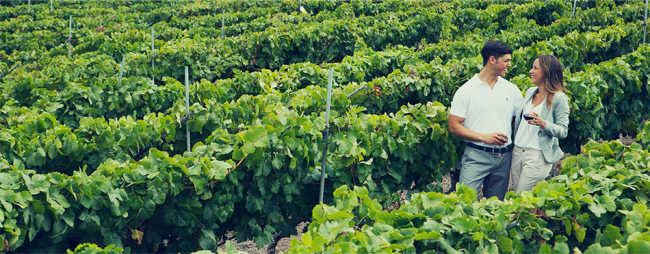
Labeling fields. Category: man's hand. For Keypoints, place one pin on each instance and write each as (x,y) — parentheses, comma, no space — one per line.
(456,128)
(495,138)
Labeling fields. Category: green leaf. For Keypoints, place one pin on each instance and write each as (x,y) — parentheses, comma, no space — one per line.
(561,248)
(598,249)
(612,233)
(341,191)
(339,215)
(248,147)
(147,209)
(544,249)
(36,184)
(58,202)
(86,121)
(58,229)
(111,238)
(35,158)
(68,217)
(219,169)
(596,209)
(427,236)
(156,195)
(208,241)
(38,206)
(492,248)
(51,150)
(638,246)
(444,244)
(257,136)
(199,182)
(504,243)
(607,202)
(40,156)
(210,213)
(318,212)
(278,161)
(580,233)
(230,249)
(70,145)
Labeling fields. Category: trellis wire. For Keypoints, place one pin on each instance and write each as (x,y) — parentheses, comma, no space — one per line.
(9,72)
(356,91)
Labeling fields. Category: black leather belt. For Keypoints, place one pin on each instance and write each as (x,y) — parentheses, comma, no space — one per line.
(490,149)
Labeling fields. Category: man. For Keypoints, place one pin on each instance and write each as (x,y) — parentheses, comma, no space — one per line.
(481,114)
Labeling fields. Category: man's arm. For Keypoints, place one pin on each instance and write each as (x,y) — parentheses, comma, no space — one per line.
(456,127)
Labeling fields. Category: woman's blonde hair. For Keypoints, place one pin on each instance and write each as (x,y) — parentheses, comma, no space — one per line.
(554,74)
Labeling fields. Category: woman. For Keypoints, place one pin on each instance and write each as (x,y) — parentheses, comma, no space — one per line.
(543,118)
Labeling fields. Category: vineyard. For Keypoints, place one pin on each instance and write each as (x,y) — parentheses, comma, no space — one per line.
(166,126)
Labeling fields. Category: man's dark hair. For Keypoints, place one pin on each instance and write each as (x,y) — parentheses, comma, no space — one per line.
(496,49)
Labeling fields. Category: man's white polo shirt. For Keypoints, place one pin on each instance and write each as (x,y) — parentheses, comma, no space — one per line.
(487,110)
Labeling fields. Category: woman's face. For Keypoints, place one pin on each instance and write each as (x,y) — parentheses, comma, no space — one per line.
(536,73)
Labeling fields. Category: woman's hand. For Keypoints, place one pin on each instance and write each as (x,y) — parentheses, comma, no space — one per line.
(537,120)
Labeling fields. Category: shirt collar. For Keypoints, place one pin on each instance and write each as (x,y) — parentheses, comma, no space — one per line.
(477,81)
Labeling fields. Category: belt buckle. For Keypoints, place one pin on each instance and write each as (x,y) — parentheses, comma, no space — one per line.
(496,151)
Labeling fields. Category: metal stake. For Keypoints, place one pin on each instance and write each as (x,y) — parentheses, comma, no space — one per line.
(119,80)
(152,53)
(356,91)
(645,21)
(187,104)
(51,3)
(325,134)
(223,22)
(70,37)
(574,8)
(29,5)
(9,72)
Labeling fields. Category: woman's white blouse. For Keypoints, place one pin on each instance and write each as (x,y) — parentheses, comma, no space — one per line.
(527,135)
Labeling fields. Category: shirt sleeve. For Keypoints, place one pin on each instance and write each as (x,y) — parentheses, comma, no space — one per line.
(460,104)
(519,99)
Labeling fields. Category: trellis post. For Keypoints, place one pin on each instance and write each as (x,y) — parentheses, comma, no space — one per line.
(152,53)
(645,21)
(187,105)
(70,37)
(325,134)
(223,23)
(119,79)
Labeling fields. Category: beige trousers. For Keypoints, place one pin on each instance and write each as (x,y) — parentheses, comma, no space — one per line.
(528,168)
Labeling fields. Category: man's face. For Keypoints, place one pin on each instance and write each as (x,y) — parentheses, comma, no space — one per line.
(500,65)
